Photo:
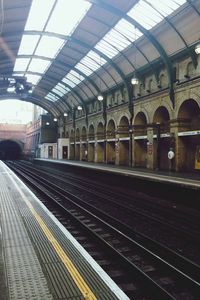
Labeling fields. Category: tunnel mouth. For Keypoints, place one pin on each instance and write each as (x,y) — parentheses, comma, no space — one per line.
(10,150)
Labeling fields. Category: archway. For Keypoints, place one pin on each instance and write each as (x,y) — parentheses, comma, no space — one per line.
(161,138)
(84,144)
(100,146)
(188,135)
(77,147)
(110,145)
(140,140)
(10,150)
(72,144)
(91,143)
(124,139)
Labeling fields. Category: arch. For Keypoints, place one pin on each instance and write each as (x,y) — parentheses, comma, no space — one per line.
(189,113)
(45,104)
(188,121)
(140,139)
(110,130)
(10,149)
(77,134)
(72,144)
(91,132)
(161,116)
(83,134)
(123,127)
(110,144)
(162,141)
(140,124)
(77,145)
(123,143)
(100,131)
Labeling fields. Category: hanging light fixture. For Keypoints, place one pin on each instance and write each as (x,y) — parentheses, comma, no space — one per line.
(55,119)
(65,114)
(197,48)
(100,97)
(134,81)
(79,107)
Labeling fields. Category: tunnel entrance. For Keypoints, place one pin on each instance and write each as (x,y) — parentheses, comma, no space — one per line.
(10,150)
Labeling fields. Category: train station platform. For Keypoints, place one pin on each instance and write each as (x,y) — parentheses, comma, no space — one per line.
(187,180)
(40,259)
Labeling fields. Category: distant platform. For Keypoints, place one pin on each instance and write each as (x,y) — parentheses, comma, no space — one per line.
(181,179)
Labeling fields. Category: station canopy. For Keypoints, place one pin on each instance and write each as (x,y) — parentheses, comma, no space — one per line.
(60,54)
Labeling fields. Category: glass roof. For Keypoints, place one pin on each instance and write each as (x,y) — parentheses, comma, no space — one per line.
(146,13)
(51,97)
(59,17)
(60,89)
(48,16)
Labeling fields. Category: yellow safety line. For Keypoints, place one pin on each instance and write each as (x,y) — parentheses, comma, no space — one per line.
(78,279)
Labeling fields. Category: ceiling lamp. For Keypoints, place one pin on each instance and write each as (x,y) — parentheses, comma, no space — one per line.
(79,107)
(134,81)
(100,97)
(65,114)
(55,119)
(197,48)
(47,123)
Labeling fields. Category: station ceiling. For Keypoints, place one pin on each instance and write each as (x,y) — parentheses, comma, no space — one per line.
(70,51)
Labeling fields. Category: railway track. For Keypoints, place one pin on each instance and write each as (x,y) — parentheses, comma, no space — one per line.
(132,260)
(142,214)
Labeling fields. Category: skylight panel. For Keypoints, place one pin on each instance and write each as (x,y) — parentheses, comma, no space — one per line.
(61,89)
(38,65)
(28,44)
(115,37)
(106,49)
(84,69)
(66,17)
(69,82)
(49,46)
(56,91)
(140,17)
(90,63)
(128,30)
(144,12)
(96,57)
(21,64)
(52,97)
(75,77)
(34,79)
(39,14)
(76,74)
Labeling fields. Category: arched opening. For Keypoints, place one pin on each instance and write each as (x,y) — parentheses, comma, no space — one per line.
(77,147)
(124,139)
(188,135)
(10,150)
(140,140)
(100,146)
(91,143)
(84,144)
(72,145)
(161,138)
(110,145)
